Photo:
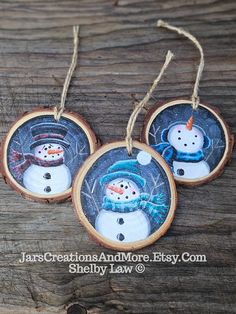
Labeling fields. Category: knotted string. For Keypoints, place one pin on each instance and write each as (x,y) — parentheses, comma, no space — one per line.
(195,97)
(58,110)
(142,103)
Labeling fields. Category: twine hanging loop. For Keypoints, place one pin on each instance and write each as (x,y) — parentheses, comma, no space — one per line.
(143,102)
(58,110)
(195,97)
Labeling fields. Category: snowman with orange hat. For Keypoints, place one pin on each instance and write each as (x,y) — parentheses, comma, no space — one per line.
(128,213)
(182,149)
(43,171)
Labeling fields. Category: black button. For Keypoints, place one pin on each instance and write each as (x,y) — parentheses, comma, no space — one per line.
(47,189)
(120,221)
(47,175)
(180,172)
(120,236)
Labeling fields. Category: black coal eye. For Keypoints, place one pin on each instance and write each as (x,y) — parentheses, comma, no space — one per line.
(121,185)
(58,154)
(45,148)
(134,192)
(193,143)
(45,156)
(179,131)
(127,197)
(39,152)
(118,198)
(126,187)
(179,138)
(195,135)
(58,147)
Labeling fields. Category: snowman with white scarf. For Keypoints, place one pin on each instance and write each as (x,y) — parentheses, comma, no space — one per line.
(127,212)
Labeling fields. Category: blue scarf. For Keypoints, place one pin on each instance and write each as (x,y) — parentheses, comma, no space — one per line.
(169,153)
(154,206)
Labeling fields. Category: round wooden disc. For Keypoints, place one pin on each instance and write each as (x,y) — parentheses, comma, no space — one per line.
(110,177)
(41,156)
(195,157)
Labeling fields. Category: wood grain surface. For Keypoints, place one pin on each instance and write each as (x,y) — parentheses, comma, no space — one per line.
(121,51)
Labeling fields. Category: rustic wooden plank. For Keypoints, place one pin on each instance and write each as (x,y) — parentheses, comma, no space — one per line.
(120,53)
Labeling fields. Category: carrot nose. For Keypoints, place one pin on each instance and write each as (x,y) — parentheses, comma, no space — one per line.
(115,189)
(55,151)
(189,124)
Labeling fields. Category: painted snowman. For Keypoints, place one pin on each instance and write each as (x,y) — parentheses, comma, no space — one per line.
(44,171)
(121,218)
(182,148)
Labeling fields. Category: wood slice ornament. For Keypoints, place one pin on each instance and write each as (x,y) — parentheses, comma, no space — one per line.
(192,137)
(196,145)
(124,194)
(44,148)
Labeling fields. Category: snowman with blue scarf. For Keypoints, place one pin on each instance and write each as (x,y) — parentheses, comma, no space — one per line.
(127,213)
(182,148)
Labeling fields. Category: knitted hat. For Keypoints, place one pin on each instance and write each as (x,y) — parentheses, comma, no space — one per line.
(44,133)
(128,169)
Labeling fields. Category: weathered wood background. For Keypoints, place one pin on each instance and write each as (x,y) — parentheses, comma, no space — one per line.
(121,51)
